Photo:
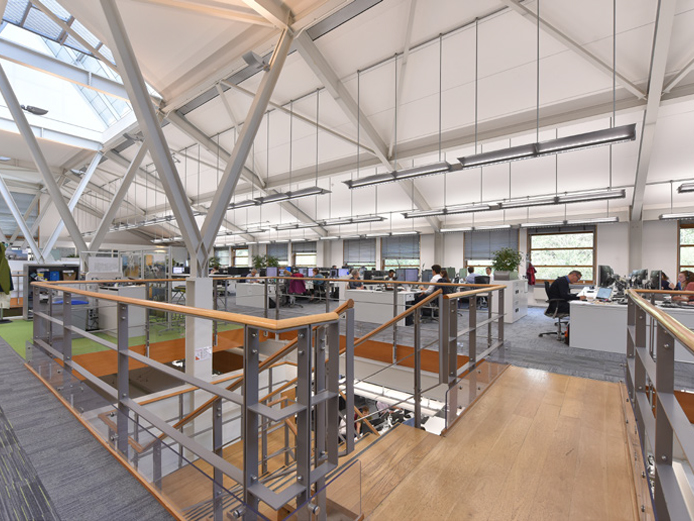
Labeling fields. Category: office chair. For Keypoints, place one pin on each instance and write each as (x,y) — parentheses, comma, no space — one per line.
(482,301)
(555,314)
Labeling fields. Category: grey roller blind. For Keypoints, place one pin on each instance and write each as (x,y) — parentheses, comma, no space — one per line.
(360,251)
(304,247)
(481,244)
(405,247)
(8,222)
(281,251)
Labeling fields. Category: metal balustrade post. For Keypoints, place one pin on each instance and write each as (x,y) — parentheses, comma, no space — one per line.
(349,377)
(631,347)
(452,342)
(320,416)
(444,318)
(502,297)
(218,448)
(472,335)
(123,379)
(395,325)
(490,298)
(333,338)
(49,325)
(147,318)
(303,417)
(278,299)
(417,372)
(265,297)
(39,323)
(663,449)
(67,338)
(156,463)
(326,288)
(250,419)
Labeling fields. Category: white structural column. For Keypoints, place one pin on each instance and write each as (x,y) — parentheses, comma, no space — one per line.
(7,196)
(198,330)
(561,37)
(236,162)
(40,161)
(321,68)
(156,142)
(108,217)
(73,202)
(656,78)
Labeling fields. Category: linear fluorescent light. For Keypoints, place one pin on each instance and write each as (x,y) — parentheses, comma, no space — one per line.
(477,228)
(294,226)
(370,180)
(371,235)
(565,144)
(498,156)
(526,202)
(589,139)
(591,196)
(457,229)
(683,188)
(306,192)
(272,198)
(571,222)
(421,171)
(243,204)
(329,238)
(412,232)
(263,242)
(667,216)
(368,219)
(449,210)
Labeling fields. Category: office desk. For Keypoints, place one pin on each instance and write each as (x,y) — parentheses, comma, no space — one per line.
(252,295)
(377,306)
(603,326)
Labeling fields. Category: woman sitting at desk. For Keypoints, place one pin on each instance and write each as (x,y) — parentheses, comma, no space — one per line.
(685,281)
(355,281)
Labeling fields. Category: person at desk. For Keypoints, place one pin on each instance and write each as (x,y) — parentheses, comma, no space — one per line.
(355,281)
(252,277)
(470,279)
(318,285)
(392,275)
(685,282)
(488,271)
(560,289)
(436,269)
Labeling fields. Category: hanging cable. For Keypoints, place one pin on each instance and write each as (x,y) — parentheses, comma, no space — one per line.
(291,141)
(395,126)
(358,120)
(537,131)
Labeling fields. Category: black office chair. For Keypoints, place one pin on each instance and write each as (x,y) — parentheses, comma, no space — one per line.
(553,311)
(482,302)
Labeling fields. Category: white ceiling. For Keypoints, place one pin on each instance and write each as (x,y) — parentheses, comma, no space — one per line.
(183,54)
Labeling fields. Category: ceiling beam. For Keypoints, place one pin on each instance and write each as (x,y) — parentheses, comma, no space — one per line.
(43,63)
(147,117)
(276,12)
(225,13)
(562,38)
(679,76)
(242,148)
(661,46)
(30,209)
(49,134)
(9,200)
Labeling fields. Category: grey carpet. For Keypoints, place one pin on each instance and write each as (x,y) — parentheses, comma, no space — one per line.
(83,481)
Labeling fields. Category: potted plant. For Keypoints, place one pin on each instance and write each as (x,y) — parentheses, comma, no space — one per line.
(264,261)
(506,262)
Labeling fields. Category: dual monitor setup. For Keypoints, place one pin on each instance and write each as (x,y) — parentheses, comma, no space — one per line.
(637,279)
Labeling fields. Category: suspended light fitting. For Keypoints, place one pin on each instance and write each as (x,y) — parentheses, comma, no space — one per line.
(571,222)
(281,196)
(609,136)
(523,202)
(477,228)
(351,220)
(685,187)
(294,226)
(668,216)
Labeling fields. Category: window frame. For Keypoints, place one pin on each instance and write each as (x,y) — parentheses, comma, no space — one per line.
(594,248)
(680,226)
(233,257)
(385,266)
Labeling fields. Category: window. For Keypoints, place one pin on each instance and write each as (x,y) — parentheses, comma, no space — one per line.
(222,255)
(360,252)
(400,252)
(557,253)
(479,246)
(305,254)
(239,257)
(686,247)
(279,250)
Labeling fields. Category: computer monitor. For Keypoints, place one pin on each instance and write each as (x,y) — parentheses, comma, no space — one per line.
(304,271)
(605,276)
(368,275)
(426,275)
(411,274)
(640,277)
(178,270)
(656,276)
(400,273)
(343,272)
(604,294)
(271,271)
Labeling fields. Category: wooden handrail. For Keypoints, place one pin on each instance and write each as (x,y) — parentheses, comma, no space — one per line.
(360,416)
(471,292)
(260,323)
(674,327)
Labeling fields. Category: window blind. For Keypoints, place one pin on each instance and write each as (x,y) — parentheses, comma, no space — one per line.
(281,251)
(405,247)
(304,247)
(481,244)
(360,251)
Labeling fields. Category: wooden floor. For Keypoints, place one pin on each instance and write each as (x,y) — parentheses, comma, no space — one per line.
(536,446)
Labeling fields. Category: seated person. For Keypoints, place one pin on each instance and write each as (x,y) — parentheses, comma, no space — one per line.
(488,271)
(392,275)
(665,281)
(318,285)
(355,281)
(252,277)
(470,279)
(560,290)
(436,269)
(297,287)
(685,282)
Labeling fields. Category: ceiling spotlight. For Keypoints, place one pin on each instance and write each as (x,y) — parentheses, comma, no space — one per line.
(5,158)
(35,110)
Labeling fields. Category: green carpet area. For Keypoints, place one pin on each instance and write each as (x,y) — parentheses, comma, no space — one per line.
(18,332)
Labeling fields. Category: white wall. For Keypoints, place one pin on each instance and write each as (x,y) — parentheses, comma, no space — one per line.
(427,252)
(613,246)
(660,247)
(453,250)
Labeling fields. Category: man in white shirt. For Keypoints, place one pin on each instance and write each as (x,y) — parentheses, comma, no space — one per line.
(436,269)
